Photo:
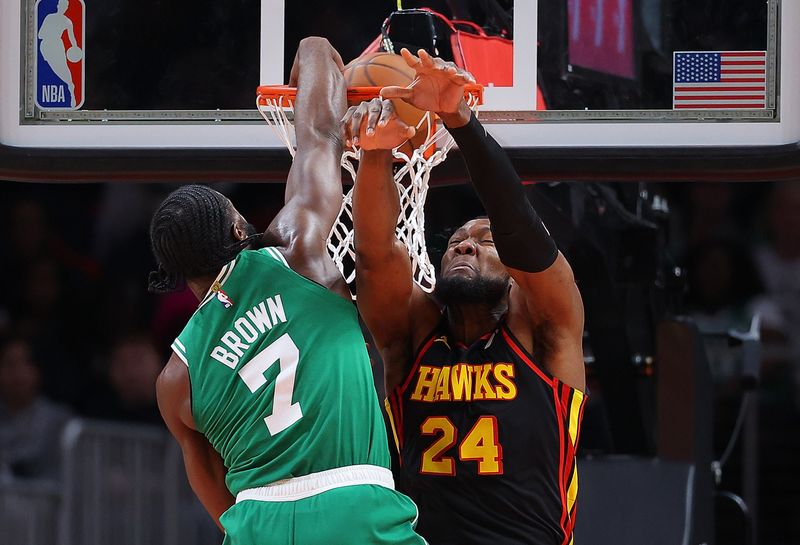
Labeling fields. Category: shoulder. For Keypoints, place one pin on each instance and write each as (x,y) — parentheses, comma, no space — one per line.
(174,376)
(172,384)
(521,321)
(173,393)
(400,353)
(251,266)
(312,265)
(556,344)
(426,316)
(266,254)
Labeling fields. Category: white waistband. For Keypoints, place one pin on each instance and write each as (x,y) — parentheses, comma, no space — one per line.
(316,483)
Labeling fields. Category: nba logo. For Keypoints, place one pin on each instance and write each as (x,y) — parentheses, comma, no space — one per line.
(223,298)
(60,31)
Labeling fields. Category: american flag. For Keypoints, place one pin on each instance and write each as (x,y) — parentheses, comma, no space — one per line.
(719,80)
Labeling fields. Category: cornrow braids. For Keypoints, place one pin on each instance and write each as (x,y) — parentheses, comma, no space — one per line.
(190,236)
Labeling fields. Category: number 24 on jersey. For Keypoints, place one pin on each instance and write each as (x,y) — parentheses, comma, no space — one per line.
(480,444)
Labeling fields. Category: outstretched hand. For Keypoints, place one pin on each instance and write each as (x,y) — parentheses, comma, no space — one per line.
(438,87)
(374,125)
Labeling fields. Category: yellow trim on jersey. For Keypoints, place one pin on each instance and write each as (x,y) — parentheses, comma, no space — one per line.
(388,407)
(572,492)
(574,415)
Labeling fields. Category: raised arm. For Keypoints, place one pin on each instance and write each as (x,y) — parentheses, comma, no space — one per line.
(544,303)
(393,307)
(204,467)
(314,187)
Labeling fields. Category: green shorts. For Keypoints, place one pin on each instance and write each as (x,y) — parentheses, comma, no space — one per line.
(350,515)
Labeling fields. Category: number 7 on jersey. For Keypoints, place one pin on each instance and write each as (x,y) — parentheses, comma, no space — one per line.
(284,412)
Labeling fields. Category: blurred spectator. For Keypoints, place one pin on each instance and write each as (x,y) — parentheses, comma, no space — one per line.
(128,389)
(43,315)
(30,236)
(724,293)
(171,314)
(723,285)
(46,280)
(25,239)
(707,212)
(30,425)
(779,263)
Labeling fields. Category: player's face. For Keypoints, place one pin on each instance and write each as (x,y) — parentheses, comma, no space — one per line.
(471,254)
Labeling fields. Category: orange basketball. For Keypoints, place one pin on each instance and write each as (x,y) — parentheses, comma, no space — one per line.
(381,69)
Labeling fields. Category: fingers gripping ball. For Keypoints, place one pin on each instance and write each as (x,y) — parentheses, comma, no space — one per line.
(74,54)
(381,69)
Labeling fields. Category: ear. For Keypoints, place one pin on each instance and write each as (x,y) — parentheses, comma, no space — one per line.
(237,232)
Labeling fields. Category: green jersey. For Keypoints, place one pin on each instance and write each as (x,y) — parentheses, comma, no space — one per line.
(281,382)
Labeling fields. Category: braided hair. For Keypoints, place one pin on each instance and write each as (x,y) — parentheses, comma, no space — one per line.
(190,234)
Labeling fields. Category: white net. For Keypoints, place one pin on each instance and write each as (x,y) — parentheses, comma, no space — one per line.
(411,176)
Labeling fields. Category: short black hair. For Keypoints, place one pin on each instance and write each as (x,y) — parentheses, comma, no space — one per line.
(190,235)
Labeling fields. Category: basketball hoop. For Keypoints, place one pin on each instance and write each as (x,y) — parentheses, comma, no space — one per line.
(276,105)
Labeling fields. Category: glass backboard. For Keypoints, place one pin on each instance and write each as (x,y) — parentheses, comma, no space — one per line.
(607,73)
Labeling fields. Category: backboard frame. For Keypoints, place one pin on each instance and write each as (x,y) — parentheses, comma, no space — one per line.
(239,141)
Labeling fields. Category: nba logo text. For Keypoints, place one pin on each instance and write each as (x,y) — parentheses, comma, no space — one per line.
(60,32)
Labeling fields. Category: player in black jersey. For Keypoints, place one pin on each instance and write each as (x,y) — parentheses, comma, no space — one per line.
(485,384)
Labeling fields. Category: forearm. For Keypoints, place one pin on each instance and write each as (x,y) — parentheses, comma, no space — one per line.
(521,239)
(206,475)
(376,206)
(384,278)
(313,187)
(321,95)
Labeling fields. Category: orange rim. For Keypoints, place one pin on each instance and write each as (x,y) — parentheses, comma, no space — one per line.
(354,94)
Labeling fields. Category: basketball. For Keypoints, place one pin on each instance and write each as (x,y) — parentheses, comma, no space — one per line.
(74,54)
(381,69)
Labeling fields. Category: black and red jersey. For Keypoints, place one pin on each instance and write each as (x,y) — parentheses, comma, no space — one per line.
(487,443)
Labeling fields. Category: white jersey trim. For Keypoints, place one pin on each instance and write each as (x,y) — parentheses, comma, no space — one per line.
(274,252)
(218,282)
(180,351)
(312,484)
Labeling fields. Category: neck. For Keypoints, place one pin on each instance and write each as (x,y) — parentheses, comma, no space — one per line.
(467,322)
(200,286)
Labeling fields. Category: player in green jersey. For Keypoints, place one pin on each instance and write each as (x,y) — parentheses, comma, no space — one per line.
(269,390)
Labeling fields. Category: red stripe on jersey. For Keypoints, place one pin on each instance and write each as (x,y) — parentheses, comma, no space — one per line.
(524,357)
(569,454)
(562,492)
(580,420)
